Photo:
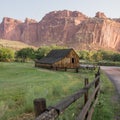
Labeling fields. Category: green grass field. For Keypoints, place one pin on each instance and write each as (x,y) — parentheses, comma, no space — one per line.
(21,83)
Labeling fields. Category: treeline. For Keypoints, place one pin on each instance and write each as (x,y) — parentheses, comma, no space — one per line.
(100,55)
(25,54)
(28,54)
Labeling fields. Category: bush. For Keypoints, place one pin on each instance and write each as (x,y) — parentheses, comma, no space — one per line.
(6,55)
(25,54)
(109,63)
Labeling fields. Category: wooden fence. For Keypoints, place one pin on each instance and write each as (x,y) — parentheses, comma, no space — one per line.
(51,113)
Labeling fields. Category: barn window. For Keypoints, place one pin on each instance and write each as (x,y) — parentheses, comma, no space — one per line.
(73,60)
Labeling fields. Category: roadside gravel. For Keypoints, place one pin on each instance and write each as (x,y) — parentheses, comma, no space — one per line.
(113,74)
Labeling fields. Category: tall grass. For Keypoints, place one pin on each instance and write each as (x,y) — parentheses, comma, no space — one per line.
(21,83)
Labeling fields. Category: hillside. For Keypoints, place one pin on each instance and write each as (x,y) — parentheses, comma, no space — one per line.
(69,28)
(16,45)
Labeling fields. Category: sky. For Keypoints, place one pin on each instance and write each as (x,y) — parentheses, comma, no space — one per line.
(36,9)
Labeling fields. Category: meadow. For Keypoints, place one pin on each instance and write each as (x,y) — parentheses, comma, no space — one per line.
(14,45)
(21,83)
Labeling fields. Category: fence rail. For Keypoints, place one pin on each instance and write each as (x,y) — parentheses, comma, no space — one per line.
(50,113)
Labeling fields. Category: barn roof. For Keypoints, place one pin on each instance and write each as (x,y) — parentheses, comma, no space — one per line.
(54,56)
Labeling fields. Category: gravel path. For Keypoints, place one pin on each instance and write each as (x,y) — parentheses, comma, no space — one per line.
(113,74)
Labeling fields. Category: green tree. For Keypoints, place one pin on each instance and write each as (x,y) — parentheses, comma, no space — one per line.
(25,54)
(107,55)
(44,50)
(84,54)
(115,57)
(6,55)
(97,56)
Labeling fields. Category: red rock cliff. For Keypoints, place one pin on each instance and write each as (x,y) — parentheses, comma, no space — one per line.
(59,26)
(99,32)
(65,28)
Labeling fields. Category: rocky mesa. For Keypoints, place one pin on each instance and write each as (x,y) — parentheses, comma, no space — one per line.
(69,28)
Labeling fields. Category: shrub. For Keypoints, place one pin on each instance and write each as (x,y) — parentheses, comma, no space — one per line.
(6,55)
(25,54)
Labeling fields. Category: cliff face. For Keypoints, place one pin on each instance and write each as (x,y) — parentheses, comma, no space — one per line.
(99,32)
(65,28)
(59,27)
(12,29)
(9,29)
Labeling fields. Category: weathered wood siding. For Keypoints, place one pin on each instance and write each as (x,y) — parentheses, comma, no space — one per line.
(70,61)
(37,64)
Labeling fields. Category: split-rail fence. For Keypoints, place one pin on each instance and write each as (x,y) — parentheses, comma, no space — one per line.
(51,113)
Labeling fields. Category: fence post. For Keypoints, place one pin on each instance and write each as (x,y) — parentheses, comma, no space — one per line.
(56,68)
(39,106)
(98,72)
(86,94)
(98,80)
(77,70)
(65,68)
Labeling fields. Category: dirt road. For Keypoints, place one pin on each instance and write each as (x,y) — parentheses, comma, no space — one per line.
(113,74)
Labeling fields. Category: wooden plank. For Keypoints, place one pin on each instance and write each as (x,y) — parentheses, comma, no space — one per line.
(92,110)
(89,117)
(85,109)
(48,115)
(61,106)
(86,94)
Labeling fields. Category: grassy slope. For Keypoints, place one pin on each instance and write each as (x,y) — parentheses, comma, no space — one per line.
(20,83)
(16,45)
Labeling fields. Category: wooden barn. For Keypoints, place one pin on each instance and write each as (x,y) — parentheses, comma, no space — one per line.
(59,58)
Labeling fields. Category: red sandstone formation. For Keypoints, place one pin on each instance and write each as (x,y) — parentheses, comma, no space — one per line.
(65,27)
